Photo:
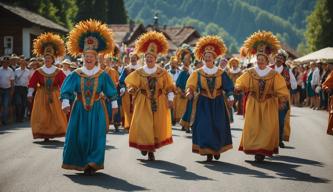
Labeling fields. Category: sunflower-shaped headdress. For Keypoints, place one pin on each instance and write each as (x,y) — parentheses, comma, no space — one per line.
(152,43)
(261,43)
(90,36)
(183,51)
(49,44)
(211,44)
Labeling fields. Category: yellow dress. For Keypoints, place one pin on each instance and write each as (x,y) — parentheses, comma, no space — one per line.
(47,118)
(151,121)
(261,127)
(126,99)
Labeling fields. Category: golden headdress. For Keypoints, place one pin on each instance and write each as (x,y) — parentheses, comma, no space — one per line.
(90,35)
(153,43)
(184,50)
(212,44)
(49,44)
(261,42)
(234,59)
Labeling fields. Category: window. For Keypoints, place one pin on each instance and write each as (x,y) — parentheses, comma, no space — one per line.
(8,45)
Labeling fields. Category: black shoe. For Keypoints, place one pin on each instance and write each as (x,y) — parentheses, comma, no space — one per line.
(89,171)
(281,145)
(188,130)
(173,123)
(217,157)
(209,158)
(144,153)
(116,128)
(46,139)
(183,129)
(259,158)
(151,156)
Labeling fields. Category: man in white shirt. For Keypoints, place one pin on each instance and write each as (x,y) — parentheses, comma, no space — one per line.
(6,88)
(22,77)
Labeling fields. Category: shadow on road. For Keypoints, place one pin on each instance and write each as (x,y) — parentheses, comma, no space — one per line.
(105,181)
(230,169)
(236,129)
(51,144)
(288,171)
(174,170)
(5,129)
(110,147)
(297,160)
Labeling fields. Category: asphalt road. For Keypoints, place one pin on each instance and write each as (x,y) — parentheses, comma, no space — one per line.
(306,164)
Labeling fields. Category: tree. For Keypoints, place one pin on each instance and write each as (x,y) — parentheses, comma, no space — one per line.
(116,12)
(319,33)
(89,9)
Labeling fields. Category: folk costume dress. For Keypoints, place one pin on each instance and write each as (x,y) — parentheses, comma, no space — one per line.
(184,52)
(261,125)
(265,88)
(114,75)
(89,122)
(151,121)
(211,134)
(152,88)
(328,87)
(84,147)
(234,74)
(47,118)
(127,99)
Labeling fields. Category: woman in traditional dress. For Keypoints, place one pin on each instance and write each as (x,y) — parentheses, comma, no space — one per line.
(328,88)
(84,147)
(267,91)
(234,71)
(152,88)
(183,106)
(211,126)
(47,118)
(127,99)
(114,118)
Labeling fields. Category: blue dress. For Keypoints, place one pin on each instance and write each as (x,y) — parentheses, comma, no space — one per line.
(86,132)
(181,85)
(211,126)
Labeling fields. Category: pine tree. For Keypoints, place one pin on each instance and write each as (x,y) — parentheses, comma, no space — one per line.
(319,31)
(116,13)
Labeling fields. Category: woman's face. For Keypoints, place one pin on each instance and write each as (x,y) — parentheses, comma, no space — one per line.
(262,61)
(209,59)
(187,60)
(90,60)
(48,60)
(134,59)
(234,64)
(150,60)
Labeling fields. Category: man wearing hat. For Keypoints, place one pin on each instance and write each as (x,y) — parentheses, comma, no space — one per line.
(6,88)
(284,113)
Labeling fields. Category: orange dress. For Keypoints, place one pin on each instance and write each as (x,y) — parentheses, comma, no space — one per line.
(328,84)
(47,118)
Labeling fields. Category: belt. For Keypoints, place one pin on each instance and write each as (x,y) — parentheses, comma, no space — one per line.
(144,92)
(205,93)
(267,96)
(79,97)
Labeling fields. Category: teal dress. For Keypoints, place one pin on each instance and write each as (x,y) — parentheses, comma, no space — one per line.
(86,132)
(311,92)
